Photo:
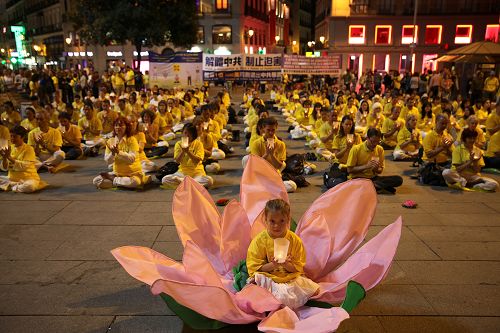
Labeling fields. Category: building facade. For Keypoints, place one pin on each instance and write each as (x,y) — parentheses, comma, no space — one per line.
(381,35)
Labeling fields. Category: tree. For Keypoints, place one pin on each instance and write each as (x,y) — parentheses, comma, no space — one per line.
(144,23)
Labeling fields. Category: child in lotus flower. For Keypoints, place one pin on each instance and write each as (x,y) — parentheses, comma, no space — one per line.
(282,274)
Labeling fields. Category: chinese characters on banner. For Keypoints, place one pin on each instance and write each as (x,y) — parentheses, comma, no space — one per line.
(301,65)
(242,67)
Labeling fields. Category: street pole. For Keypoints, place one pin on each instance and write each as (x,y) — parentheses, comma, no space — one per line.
(414,42)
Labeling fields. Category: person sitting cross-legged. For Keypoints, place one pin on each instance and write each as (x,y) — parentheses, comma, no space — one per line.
(366,160)
(123,152)
(19,159)
(189,153)
(466,164)
(272,149)
(409,141)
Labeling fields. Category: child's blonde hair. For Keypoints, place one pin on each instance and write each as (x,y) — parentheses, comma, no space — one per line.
(277,205)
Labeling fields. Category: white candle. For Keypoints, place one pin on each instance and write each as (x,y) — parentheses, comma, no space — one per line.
(184,142)
(281,249)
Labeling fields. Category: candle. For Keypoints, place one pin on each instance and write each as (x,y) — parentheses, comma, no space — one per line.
(184,142)
(270,142)
(281,249)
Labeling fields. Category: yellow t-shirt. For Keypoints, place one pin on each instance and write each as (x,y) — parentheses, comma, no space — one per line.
(388,126)
(461,155)
(208,142)
(404,135)
(493,145)
(360,155)
(492,122)
(93,125)
(52,138)
(187,166)
(323,132)
(4,133)
(480,139)
(261,250)
(123,167)
(24,166)
(258,147)
(406,111)
(214,128)
(141,141)
(482,116)
(373,121)
(433,140)
(491,84)
(426,124)
(340,142)
(29,125)
(107,120)
(73,133)
(12,119)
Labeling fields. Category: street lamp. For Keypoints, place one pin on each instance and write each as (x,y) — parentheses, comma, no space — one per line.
(250,33)
(68,40)
(277,39)
(322,39)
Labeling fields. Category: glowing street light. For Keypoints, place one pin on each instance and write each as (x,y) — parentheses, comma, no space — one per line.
(322,39)
(277,39)
(68,40)
(250,33)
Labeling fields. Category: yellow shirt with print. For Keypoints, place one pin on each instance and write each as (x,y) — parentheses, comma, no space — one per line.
(461,155)
(24,167)
(404,135)
(361,155)
(261,250)
(187,166)
(258,147)
(373,121)
(388,126)
(52,138)
(433,140)
(482,116)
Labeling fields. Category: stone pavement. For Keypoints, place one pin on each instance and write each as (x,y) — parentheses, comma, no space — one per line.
(57,274)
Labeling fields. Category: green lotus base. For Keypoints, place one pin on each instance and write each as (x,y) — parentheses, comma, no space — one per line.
(355,293)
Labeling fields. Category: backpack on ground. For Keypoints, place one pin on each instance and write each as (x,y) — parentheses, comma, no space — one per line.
(167,169)
(431,173)
(334,176)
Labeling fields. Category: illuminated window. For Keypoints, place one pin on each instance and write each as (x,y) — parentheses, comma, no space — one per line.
(463,34)
(492,32)
(383,34)
(221,4)
(200,35)
(356,34)
(407,34)
(433,34)
(221,34)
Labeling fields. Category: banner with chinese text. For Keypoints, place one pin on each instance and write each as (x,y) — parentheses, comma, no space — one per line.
(242,67)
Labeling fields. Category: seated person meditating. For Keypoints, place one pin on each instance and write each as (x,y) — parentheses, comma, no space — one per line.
(19,159)
(122,151)
(189,153)
(272,149)
(283,278)
(366,160)
(47,142)
(466,164)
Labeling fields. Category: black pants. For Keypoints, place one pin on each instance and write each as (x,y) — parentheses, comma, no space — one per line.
(492,162)
(72,153)
(155,151)
(388,183)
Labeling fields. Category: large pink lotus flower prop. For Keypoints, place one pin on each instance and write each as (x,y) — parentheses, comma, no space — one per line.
(331,230)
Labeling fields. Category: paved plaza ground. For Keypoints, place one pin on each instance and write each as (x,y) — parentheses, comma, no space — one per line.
(57,274)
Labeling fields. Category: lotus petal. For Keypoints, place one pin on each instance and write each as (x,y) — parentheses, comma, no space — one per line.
(254,299)
(306,320)
(235,233)
(197,264)
(210,301)
(260,183)
(367,266)
(198,220)
(346,223)
(147,265)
